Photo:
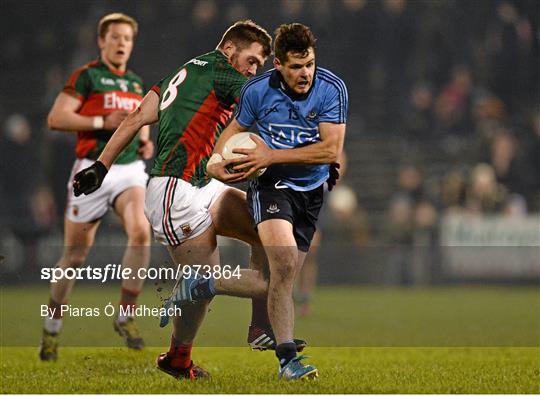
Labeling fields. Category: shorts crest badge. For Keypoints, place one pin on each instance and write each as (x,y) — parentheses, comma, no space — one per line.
(273,208)
(186,229)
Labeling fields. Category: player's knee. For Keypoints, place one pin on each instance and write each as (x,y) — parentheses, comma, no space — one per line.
(139,235)
(283,267)
(75,259)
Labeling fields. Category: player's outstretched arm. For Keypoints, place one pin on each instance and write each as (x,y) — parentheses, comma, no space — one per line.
(145,114)
(217,166)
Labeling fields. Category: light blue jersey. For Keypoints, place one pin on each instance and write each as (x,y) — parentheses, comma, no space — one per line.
(288,120)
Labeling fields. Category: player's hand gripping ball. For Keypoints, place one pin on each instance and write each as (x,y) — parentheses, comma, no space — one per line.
(241,140)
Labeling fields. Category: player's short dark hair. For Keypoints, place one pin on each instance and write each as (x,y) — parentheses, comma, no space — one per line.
(117,17)
(295,38)
(244,33)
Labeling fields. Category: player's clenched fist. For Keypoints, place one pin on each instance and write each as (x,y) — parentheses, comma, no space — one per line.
(90,179)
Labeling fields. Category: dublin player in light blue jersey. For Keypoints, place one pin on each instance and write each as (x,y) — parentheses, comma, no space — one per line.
(300,111)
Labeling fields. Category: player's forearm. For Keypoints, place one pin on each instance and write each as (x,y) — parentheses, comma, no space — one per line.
(313,154)
(121,138)
(72,122)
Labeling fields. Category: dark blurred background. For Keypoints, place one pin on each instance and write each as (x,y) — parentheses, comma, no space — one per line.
(442,180)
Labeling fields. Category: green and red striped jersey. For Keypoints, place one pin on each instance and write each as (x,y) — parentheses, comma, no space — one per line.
(196,104)
(101,91)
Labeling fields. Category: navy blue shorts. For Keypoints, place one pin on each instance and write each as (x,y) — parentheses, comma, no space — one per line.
(300,208)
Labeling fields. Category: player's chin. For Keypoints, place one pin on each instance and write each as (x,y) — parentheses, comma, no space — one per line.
(121,59)
(302,88)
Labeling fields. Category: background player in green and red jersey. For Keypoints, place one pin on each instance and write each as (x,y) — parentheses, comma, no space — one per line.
(186,209)
(94,101)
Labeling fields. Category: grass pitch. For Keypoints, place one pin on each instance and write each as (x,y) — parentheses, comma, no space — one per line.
(239,370)
(363,340)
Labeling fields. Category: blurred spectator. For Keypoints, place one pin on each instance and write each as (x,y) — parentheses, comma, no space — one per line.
(488,113)
(418,115)
(453,103)
(453,191)
(506,163)
(410,184)
(484,195)
(347,221)
(515,206)
(398,226)
(425,220)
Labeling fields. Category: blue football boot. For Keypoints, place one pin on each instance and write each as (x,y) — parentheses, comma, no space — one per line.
(181,295)
(295,370)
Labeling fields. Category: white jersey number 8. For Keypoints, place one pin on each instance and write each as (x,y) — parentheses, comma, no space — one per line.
(172,90)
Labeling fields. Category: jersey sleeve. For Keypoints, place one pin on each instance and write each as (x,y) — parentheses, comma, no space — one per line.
(246,114)
(156,88)
(228,83)
(336,103)
(79,84)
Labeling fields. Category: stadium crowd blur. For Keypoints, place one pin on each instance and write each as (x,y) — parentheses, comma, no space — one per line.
(444,102)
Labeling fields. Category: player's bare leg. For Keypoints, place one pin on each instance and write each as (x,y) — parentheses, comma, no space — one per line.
(201,250)
(307,278)
(78,239)
(285,261)
(129,207)
(277,237)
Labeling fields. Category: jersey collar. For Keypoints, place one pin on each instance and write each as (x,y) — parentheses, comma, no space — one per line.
(276,81)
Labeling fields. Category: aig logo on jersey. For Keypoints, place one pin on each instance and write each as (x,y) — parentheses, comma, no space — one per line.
(287,136)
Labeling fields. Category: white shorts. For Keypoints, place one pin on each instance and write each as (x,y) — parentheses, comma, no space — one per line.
(89,208)
(177,210)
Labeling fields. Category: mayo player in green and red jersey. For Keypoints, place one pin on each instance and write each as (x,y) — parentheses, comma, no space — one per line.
(94,101)
(187,210)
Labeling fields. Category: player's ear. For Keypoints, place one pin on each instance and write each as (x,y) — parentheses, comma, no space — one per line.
(277,64)
(229,47)
(101,42)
